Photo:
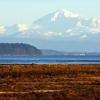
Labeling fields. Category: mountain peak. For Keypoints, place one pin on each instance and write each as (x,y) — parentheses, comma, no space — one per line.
(63,13)
(67,13)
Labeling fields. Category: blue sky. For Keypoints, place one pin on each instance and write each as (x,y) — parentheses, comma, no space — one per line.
(26,11)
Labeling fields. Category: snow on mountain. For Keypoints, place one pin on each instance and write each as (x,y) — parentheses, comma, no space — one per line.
(61,30)
(58,21)
(61,23)
(65,23)
(63,13)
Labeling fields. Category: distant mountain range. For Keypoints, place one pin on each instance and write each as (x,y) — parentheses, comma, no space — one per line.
(61,30)
(26,49)
(52,52)
(61,23)
(57,53)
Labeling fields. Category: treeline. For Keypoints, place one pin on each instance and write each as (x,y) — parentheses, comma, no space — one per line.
(18,49)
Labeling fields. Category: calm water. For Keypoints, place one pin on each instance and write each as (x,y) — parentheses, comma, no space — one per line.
(72,59)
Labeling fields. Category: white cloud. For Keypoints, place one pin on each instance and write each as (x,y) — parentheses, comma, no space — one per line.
(2,29)
(79,24)
(51,34)
(69,13)
(95,30)
(23,27)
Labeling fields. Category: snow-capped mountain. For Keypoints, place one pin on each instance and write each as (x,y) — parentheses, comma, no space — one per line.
(55,30)
(61,23)
(65,23)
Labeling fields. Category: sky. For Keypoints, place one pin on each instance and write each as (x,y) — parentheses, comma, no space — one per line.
(26,11)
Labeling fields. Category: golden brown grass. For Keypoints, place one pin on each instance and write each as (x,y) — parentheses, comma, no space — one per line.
(50,82)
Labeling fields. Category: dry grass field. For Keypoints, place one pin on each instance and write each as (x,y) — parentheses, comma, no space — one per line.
(50,82)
